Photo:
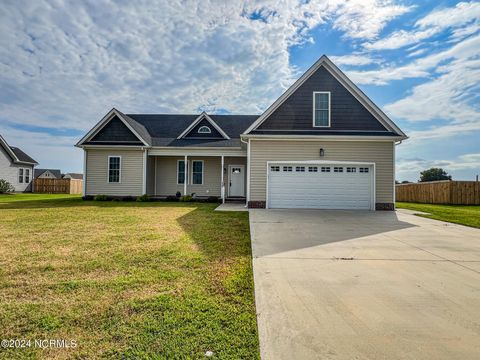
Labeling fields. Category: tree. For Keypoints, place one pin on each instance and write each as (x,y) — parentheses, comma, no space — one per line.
(434,174)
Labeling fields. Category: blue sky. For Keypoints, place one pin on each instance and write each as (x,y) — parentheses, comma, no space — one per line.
(63,65)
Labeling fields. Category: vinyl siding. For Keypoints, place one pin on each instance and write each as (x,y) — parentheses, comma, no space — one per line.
(380,153)
(347,113)
(166,175)
(131,177)
(9,172)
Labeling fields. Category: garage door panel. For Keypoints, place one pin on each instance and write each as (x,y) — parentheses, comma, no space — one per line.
(317,189)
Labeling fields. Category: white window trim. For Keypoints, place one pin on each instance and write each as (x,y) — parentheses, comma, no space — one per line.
(186,173)
(119,170)
(25,176)
(191,172)
(209,131)
(21,178)
(329,109)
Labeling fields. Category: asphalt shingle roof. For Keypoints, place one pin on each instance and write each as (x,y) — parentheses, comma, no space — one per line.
(22,156)
(163,129)
(57,173)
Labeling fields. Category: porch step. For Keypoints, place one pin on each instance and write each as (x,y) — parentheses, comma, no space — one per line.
(235,199)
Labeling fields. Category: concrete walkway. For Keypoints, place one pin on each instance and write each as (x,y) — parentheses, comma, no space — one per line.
(232,207)
(365,285)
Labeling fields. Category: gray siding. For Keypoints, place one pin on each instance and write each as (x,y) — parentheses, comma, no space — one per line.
(131,180)
(296,113)
(9,172)
(380,153)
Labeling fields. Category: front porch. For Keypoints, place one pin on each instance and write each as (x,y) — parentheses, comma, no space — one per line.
(202,176)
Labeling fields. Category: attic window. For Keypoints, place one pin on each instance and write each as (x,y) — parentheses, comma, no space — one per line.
(321,109)
(204,130)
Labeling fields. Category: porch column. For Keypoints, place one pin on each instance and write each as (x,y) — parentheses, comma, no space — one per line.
(185,169)
(222,189)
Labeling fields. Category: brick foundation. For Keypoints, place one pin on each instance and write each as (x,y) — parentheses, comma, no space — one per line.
(385,206)
(256,204)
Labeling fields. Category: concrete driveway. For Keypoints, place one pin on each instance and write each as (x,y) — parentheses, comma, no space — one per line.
(365,285)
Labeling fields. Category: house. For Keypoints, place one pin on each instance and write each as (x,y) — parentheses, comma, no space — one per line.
(74,176)
(322,144)
(47,174)
(16,167)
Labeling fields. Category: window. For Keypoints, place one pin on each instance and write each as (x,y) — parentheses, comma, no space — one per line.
(180,172)
(20,176)
(287,168)
(27,176)
(321,109)
(197,172)
(363,170)
(351,169)
(275,168)
(204,130)
(312,169)
(300,168)
(325,168)
(338,169)
(114,169)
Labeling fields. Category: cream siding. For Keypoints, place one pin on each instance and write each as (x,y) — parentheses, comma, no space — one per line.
(379,152)
(167,176)
(131,175)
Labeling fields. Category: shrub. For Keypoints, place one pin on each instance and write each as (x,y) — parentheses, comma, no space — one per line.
(128,198)
(87,197)
(143,198)
(101,198)
(212,199)
(186,198)
(172,198)
(6,187)
(178,194)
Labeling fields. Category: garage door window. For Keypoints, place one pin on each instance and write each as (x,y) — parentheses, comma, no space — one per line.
(338,169)
(312,169)
(275,168)
(351,169)
(364,170)
(287,168)
(325,168)
(300,168)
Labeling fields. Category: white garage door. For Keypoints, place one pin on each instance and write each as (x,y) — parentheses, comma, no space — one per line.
(320,186)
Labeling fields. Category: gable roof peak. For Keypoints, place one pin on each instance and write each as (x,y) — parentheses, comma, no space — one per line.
(201,117)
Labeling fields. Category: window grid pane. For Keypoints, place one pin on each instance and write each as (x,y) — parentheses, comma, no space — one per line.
(197,170)
(114,169)
(181,172)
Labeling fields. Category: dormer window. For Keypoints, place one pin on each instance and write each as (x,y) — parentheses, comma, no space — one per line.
(321,109)
(204,130)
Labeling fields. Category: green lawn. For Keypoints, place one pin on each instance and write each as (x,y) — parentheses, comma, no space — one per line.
(459,214)
(125,279)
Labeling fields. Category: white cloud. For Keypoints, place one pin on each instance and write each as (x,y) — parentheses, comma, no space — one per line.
(410,168)
(464,15)
(352,60)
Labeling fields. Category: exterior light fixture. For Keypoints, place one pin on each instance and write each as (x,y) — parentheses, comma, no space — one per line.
(322,152)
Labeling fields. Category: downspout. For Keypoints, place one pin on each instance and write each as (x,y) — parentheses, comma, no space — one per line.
(248,169)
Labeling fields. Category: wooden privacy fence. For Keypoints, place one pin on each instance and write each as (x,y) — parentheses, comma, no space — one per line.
(440,192)
(57,186)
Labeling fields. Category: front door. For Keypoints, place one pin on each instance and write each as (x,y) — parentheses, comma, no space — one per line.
(236,180)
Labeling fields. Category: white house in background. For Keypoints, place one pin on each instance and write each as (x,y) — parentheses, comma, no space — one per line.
(47,174)
(16,167)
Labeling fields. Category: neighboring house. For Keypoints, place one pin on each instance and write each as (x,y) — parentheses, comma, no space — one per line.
(322,144)
(48,174)
(16,167)
(74,176)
